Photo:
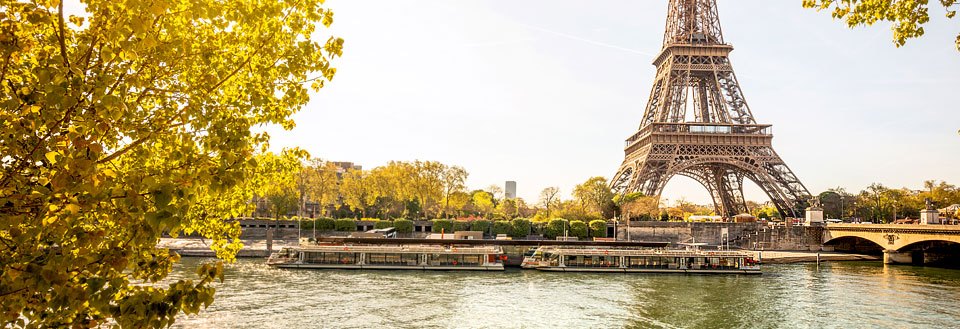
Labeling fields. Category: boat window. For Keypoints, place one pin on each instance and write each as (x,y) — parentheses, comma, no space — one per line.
(471,260)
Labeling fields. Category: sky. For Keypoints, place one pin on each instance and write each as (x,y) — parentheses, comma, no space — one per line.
(545,92)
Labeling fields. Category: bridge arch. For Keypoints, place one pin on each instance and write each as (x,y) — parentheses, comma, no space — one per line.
(851,243)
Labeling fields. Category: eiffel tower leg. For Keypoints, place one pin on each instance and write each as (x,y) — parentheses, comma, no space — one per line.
(708,179)
(780,183)
(731,187)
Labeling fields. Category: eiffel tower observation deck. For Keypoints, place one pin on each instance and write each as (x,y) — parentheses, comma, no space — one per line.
(697,123)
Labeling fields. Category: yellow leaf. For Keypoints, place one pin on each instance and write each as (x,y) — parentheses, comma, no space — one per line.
(52,157)
(72,208)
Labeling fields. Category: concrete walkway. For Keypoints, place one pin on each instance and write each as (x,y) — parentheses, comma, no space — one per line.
(196,247)
(787,257)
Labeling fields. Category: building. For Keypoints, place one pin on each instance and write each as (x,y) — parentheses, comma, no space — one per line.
(510,190)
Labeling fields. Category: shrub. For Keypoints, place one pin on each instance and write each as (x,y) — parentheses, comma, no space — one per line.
(403,225)
(345,225)
(461,225)
(555,228)
(325,224)
(598,228)
(480,225)
(306,224)
(444,225)
(502,227)
(380,224)
(578,229)
(521,227)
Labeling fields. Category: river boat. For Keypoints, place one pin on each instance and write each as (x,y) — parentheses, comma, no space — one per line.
(391,257)
(623,260)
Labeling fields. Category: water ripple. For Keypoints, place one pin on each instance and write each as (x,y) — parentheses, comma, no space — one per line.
(833,295)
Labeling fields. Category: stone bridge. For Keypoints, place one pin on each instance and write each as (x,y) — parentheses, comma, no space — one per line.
(900,244)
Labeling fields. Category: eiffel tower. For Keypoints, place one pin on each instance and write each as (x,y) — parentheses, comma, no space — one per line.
(697,123)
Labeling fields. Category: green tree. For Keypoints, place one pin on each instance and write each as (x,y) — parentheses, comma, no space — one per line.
(403,225)
(502,227)
(908,16)
(598,228)
(133,119)
(578,229)
(555,227)
(442,226)
(480,225)
(483,202)
(594,196)
(521,227)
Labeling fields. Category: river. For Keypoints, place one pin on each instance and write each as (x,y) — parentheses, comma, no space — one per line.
(840,295)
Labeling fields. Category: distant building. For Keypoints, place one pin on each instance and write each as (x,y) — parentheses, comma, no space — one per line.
(510,190)
(343,167)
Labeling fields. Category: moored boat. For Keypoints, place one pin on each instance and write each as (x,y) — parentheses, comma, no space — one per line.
(568,259)
(390,257)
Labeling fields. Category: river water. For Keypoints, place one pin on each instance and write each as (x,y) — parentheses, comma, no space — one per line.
(836,295)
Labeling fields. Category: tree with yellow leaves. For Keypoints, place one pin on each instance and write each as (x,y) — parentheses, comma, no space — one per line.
(129,120)
(908,16)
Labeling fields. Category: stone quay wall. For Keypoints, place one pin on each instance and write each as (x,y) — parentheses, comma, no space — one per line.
(742,235)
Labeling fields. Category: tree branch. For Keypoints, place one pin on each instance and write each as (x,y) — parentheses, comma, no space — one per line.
(60,37)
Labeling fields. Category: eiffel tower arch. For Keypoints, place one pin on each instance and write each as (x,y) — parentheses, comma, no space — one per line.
(698,124)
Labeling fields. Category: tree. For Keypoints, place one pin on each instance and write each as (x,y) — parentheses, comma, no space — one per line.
(876,191)
(483,201)
(427,184)
(578,229)
(318,182)
(555,227)
(358,190)
(457,201)
(496,192)
(598,228)
(594,196)
(279,185)
(130,121)
(392,183)
(908,16)
(640,205)
(454,179)
(548,197)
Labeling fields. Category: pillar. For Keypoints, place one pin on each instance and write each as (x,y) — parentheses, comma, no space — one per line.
(929,217)
(896,257)
(269,240)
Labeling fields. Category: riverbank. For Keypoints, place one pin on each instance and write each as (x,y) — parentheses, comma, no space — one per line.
(257,248)
(196,247)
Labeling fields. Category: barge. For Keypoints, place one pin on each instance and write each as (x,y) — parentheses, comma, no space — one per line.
(567,259)
(391,257)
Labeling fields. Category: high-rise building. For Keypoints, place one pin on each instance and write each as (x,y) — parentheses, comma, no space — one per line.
(510,190)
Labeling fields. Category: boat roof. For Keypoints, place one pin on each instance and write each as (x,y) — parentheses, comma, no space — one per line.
(405,249)
(645,252)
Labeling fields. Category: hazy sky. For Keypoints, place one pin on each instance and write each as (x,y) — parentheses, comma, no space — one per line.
(545,92)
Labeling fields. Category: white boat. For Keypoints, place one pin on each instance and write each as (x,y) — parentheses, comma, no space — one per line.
(622,260)
(391,257)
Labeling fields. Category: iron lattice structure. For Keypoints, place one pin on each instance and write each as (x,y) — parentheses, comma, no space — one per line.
(697,123)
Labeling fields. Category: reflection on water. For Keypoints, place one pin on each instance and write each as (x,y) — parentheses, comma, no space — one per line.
(846,295)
